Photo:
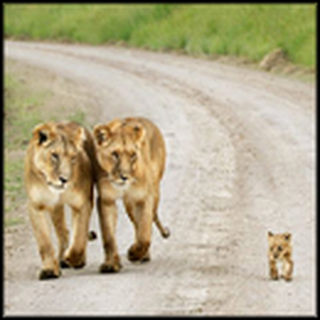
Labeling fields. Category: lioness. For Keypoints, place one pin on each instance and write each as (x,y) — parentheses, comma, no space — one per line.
(280,249)
(58,171)
(131,156)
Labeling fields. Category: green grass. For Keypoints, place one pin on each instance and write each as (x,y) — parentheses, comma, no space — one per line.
(10,222)
(19,118)
(25,107)
(21,112)
(249,31)
(14,192)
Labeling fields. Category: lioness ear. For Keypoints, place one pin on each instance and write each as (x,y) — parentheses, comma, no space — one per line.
(80,137)
(101,134)
(139,133)
(43,133)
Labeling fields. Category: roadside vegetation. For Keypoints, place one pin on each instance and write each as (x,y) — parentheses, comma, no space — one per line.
(247,31)
(18,118)
(25,105)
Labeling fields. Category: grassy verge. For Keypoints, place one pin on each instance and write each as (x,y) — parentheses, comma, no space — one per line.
(17,122)
(25,106)
(250,31)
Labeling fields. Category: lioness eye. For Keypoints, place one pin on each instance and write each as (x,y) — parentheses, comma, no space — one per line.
(133,156)
(115,155)
(54,157)
(73,159)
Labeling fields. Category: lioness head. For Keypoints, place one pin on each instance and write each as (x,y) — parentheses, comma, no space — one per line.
(119,150)
(57,149)
(279,244)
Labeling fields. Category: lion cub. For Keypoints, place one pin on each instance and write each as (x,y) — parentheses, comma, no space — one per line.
(280,250)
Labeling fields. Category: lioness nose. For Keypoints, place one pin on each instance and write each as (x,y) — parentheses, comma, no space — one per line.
(124,177)
(63,180)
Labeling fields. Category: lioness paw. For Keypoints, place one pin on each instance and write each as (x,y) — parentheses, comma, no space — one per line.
(110,268)
(139,252)
(74,260)
(47,274)
(64,264)
(146,258)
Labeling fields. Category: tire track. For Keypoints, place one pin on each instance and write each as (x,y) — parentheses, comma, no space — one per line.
(235,137)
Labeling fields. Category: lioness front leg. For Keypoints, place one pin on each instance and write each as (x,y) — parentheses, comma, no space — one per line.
(108,220)
(50,267)
(59,222)
(75,256)
(139,251)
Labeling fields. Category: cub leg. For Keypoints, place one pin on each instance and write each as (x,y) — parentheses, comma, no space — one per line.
(287,269)
(50,267)
(75,256)
(273,269)
(108,213)
(58,219)
(139,251)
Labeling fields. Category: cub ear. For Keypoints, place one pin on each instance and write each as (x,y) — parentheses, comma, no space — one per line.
(287,236)
(101,134)
(43,133)
(80,137)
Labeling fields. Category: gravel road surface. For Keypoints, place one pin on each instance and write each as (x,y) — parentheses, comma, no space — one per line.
(241,161)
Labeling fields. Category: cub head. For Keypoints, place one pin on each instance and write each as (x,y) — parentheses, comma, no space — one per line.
(57,148)
(279,244)
(119,150)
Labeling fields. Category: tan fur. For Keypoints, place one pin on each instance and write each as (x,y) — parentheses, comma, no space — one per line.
(59,171)
(131,156)
(280,249)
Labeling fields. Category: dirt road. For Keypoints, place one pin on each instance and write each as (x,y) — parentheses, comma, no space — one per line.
(241,161)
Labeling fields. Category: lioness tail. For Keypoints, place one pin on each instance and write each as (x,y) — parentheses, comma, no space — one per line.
(165,232)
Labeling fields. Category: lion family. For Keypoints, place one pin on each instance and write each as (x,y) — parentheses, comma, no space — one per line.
(125,159)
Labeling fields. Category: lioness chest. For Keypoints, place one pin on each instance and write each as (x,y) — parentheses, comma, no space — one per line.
(114,192)
(48,197)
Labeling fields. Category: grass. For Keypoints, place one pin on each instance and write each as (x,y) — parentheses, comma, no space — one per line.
(25,106)
(250,31)
(10,222)
(18,120)
(21,112)
(14,192)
